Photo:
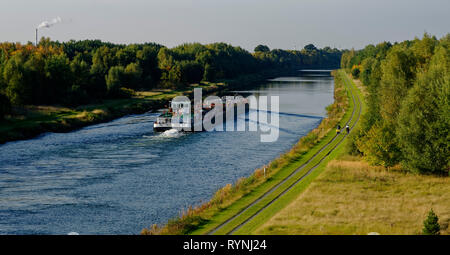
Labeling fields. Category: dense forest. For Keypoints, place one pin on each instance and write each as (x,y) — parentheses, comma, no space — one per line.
(408,117)
(80,72)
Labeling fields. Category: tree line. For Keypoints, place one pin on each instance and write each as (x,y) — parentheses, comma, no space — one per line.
(80,72)
(408,119)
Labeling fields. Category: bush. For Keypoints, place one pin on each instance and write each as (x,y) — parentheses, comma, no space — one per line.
(431,225)
(355,72)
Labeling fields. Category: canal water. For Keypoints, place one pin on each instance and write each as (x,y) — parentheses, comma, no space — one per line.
(119,177)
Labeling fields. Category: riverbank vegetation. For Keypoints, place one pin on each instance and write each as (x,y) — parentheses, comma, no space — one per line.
(196,220)
(408,121)
(30,120)
(72,75)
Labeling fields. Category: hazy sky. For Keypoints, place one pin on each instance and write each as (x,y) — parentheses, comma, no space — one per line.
(285,24)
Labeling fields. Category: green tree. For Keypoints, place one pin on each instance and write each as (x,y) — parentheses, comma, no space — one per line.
(366,72)
(310,47)
(102,61)
(431,224)
(166,63)
(372,114)
(81,80)
(114,79)
(398,73)
(347,58)
(423,50)
(209,73)
(262,48)
(104,58)
(147,59)
(132,76)
(174,74)
(58,78)
(17,89)
(191,72)
(379,145)
(126,55)
(424,124)
(34,69)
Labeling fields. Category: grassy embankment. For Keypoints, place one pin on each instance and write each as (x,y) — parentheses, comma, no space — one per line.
(231,199)
(29,121)
(352,197)
(334,150)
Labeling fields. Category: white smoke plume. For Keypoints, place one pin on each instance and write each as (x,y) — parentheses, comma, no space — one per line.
(48,24)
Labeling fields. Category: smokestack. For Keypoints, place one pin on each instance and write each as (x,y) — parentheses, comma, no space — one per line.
(47,24)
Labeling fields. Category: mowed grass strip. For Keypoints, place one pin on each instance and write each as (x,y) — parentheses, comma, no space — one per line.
(268,199)
(290,195)
(272,210)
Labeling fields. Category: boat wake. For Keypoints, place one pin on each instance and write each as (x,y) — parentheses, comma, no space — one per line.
(172,133)
(157,136)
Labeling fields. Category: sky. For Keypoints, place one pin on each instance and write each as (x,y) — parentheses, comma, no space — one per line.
(283,24)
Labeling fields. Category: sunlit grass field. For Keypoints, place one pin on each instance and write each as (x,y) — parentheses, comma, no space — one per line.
(352,197)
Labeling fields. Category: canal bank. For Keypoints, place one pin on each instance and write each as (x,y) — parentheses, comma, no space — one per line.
(232,200)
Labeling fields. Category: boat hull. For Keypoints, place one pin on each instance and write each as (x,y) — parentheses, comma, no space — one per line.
(161,129)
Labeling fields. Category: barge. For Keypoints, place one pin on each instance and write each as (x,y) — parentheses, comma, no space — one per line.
(181,115)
